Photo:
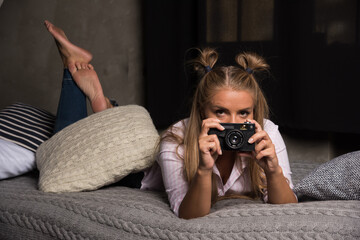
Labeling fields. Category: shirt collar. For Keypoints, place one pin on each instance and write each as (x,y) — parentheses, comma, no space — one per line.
(240,164)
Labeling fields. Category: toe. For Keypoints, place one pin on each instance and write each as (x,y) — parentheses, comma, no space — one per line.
(91,67)
(72,68)
(78,65)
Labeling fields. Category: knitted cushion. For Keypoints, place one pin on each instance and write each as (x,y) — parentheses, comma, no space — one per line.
(337,179)
(98,150)
(26,125)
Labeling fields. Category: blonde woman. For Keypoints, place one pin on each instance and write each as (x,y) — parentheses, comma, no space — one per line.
(195,171)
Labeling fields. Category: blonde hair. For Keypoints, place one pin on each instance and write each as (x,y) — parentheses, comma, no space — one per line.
(212,79)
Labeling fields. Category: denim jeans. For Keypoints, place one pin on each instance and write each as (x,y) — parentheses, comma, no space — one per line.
(72,108)
(72,103)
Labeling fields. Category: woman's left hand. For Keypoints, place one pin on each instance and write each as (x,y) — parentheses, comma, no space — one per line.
(264,154)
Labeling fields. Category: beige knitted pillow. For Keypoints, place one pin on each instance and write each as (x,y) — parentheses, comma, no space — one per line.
(98,150)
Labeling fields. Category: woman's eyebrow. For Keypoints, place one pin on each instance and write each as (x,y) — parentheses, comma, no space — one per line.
(246,109)
(224,108)
(219,107)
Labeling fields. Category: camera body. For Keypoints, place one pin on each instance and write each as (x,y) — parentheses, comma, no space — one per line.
(235,136)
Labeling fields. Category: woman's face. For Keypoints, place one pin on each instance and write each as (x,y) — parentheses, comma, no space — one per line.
(230,106)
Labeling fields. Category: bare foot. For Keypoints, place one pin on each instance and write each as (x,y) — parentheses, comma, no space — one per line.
(87,80)
(70,54)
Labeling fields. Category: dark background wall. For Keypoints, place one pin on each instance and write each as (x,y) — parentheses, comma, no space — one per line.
(170,28)
(312,47)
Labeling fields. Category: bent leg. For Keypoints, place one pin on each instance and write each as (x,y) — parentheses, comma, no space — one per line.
(87,80)
(77,60)
(72,103)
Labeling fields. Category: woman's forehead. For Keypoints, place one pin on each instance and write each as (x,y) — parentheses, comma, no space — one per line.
(235,98)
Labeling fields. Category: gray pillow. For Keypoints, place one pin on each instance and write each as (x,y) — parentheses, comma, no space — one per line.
(338,179)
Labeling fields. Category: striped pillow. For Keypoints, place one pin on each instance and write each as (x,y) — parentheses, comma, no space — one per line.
(26,125)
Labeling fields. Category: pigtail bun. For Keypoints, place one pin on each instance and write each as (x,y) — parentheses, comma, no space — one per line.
(208,57)
(251,62)
(198,62)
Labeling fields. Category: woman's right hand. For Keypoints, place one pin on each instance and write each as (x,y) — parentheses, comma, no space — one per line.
(209,145)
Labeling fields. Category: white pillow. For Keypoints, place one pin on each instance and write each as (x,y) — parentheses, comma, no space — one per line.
(14,159)
(98,150)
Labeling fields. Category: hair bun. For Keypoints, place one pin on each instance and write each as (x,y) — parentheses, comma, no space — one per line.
(198,62)
(251,62)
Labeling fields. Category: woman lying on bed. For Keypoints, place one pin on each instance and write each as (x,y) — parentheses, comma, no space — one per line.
(192,166)
(196,171)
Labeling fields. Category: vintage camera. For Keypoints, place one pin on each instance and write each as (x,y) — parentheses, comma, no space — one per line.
(235,136)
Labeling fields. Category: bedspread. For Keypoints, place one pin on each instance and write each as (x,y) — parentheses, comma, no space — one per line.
(117,212)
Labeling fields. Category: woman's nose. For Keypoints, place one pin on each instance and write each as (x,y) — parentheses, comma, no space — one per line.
(237,119)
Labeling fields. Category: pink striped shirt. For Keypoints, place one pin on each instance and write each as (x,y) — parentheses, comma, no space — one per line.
(167,172)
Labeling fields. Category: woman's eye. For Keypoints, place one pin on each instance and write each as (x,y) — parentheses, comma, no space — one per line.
(220,112)
(244,113)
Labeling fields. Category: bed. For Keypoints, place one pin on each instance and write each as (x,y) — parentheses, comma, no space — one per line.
(118,212)
(31,209)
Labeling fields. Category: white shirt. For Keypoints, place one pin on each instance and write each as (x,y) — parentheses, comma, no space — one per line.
(170,166)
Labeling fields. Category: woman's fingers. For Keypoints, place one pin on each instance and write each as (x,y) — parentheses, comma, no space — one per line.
(258,127)
(259,133)
(264,149)
(209,151)
(210,144)
(263,144)
(210,123)
(264,154)
(257,137)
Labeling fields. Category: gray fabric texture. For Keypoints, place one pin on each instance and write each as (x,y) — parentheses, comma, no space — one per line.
(118,212)
(338,179)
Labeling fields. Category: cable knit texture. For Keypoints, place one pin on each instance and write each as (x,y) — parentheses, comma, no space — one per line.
(98,150)
(122,213)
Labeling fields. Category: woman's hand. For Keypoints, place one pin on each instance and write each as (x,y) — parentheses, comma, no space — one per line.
(209,145)
(197,201)
(279,191)
(264,153)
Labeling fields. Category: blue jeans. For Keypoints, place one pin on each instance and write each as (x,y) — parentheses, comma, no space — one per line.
(72,108)
(72,103)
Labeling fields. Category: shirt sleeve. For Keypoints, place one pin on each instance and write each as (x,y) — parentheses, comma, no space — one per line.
(281,152)
(172,169)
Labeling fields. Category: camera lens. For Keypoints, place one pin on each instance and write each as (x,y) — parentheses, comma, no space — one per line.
(234,139)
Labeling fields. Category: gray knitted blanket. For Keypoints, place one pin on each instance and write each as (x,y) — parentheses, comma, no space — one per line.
(123,213)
